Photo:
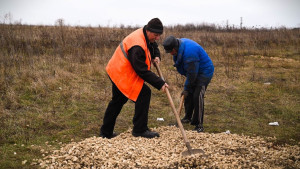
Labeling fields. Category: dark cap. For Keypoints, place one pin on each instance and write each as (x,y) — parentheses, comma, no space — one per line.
(155,26)
(170,43)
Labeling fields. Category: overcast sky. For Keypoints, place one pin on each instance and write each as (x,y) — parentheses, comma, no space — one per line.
(254,13)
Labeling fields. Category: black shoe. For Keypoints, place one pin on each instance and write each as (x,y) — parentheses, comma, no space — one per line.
(185,120)
(146,134)
(199,128)
(108,137)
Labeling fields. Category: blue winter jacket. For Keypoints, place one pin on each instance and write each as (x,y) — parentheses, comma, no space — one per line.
(193,62)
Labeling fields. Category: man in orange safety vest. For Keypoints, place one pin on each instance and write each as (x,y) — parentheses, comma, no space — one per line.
(128,69)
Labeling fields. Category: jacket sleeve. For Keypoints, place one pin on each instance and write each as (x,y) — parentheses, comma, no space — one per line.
(136,56)
(191,75)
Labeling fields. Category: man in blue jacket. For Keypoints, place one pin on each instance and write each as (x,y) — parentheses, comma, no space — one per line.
(192,61)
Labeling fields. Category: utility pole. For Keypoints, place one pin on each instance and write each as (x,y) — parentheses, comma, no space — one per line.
(241,24)
(227,26)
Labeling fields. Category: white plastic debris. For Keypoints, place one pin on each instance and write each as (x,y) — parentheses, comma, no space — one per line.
(267,83)
(160,119)
(227,132)
(274,123)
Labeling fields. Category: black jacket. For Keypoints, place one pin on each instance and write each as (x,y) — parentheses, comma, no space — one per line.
(137,57)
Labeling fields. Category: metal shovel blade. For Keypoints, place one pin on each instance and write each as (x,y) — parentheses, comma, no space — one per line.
(193,151)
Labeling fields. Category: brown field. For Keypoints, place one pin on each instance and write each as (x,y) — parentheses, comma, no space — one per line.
(54,88)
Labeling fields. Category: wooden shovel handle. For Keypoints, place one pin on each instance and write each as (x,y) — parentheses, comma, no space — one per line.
(180,105)
(174,111)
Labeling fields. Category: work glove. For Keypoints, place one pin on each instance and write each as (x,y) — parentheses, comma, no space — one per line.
(184,93)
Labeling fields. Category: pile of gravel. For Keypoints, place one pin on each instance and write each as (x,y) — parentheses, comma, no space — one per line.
(221,151)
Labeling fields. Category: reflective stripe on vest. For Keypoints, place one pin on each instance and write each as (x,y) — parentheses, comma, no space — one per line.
(122,48)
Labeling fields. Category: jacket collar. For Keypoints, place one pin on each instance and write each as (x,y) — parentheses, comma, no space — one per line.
(178,58)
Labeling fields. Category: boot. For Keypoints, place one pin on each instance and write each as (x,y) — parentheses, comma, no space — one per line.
(199,128)
(108,137)
(146,134)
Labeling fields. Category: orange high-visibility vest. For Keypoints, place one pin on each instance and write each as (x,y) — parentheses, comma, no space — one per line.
(120,70)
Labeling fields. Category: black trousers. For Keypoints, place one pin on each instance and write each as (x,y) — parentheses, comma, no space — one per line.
(140,118)
(194,102)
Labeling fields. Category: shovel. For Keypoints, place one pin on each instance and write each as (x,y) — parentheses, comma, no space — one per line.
(180,105)
(189,150)
(179,110)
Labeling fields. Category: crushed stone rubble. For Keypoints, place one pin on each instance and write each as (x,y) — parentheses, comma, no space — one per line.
(125,151)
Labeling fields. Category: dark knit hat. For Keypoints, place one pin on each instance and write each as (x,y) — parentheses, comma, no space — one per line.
(155,26)
(170,43)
